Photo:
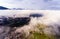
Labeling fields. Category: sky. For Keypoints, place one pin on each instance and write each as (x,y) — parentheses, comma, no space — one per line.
(31,4)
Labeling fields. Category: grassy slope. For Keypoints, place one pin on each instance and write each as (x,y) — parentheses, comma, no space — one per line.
(38,35)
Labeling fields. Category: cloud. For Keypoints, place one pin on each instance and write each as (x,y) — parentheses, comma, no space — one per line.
(31,4)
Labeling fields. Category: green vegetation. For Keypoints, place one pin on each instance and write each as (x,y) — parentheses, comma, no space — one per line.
(38,35)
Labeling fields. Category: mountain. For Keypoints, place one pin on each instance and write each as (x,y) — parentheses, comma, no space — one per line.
(17,9)
(3,8)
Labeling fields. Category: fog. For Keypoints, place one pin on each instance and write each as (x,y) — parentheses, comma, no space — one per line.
(49,18)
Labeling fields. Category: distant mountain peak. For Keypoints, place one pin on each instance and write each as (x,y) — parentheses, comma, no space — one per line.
(17,8)
(3,8)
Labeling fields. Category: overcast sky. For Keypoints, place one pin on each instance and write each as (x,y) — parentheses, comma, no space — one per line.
(31,4)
